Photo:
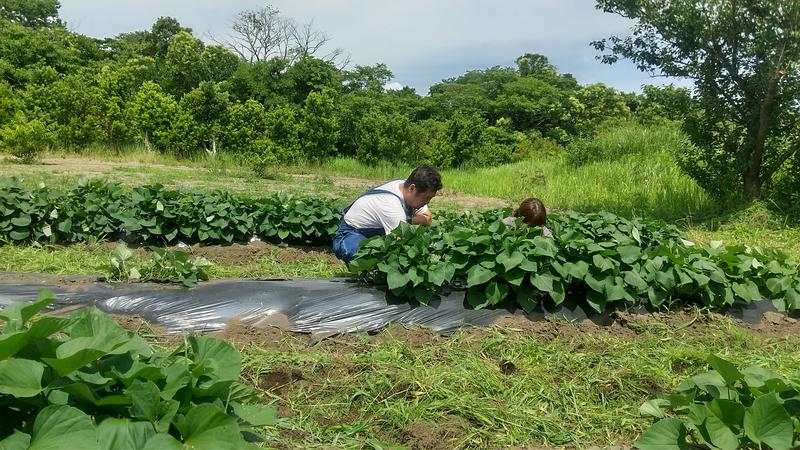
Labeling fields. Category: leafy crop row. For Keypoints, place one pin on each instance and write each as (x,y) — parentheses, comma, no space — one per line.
(726,409)
(84,382)
(96,210)
(600,258)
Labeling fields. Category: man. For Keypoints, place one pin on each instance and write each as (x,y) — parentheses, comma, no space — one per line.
(381,210)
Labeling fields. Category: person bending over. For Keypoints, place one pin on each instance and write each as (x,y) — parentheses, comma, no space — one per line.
(533,214)
(380,210)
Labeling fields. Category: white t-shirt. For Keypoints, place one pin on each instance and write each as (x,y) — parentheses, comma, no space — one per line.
(382,210)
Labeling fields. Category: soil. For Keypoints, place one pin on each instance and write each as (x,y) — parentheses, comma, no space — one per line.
(447,433)
(237,254)
(61,280)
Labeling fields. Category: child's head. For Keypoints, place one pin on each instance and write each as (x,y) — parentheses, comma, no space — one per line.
(532,212)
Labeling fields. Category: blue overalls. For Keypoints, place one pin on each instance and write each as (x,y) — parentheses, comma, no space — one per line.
(348,239)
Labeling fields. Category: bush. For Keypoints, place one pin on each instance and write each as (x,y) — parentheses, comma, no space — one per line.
(26,140)
(385,137)
(537,147)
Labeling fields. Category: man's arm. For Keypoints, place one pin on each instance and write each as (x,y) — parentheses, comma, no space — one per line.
(422,218)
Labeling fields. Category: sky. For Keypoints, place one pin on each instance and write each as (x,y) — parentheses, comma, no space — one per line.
(421,41)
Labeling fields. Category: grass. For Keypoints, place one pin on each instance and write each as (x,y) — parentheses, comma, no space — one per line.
(578,390)
(82,259)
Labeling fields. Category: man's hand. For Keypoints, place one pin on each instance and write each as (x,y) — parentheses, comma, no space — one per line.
(422,219)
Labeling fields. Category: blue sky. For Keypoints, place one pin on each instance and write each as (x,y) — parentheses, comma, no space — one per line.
(422,41)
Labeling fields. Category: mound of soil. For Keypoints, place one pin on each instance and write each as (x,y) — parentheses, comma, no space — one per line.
(447,433)
(235,254)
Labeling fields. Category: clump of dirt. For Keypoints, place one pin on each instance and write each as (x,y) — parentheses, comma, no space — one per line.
(45,279)
(445,434)
(263,336)
(414,335)
(138,323)
(236,253)
(279,379)
(775,325)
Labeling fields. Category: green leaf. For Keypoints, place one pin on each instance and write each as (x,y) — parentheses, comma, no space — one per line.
(207,427)
(730,412)
(215,358)
(478,274)
(163,441)
(19,235)
(16,441)
(629,253)
(767,422)
(60,427)
(632,278)
(496,292)
(510,260)
(21,377)
(19,313)
(396,280)
(652,408)
(113,434)
(720,434)
(728,371)
(256,415)
(21,221)
(145,400)
(666,434)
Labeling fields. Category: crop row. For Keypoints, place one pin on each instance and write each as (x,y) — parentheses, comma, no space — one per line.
(97,210)
(601,259)
(84,382)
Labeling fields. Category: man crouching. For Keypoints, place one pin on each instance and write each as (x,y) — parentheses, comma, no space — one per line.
(380,210)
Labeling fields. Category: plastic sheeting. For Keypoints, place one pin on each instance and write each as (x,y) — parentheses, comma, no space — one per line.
(324,307)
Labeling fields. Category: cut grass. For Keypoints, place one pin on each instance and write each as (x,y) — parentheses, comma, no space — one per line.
(578,390)
(82,259)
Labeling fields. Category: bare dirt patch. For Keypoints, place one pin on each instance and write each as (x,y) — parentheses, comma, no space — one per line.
(446,433)
(237,254)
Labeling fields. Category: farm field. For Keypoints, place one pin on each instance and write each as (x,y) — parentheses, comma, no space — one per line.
(517,383)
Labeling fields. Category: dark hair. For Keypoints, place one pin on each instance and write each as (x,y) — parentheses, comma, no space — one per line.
(532,212)
(425,178)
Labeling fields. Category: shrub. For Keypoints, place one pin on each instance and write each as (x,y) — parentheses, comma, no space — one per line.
(26,140)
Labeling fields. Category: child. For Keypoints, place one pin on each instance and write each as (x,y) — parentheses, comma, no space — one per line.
(533,214)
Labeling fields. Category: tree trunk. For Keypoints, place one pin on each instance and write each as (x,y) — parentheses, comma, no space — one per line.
(752,176)
(147,146)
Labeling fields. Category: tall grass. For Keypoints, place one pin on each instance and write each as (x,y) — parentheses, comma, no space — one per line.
(645,185)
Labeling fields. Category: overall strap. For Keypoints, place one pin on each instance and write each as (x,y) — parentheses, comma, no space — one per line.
(375,191)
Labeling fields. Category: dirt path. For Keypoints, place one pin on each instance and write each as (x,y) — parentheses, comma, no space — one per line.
(233,180)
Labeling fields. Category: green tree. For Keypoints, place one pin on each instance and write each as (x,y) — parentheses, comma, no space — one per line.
(118,85)
(9,102)
(161,35)
(283,130)
(743,58)
(385,137)
(30,13)
(184,63)
(247,123)
(597,103)
(318,130)
(220,64)
(372,78)
(208,107)
(310,74)
(669,102)
(151,112)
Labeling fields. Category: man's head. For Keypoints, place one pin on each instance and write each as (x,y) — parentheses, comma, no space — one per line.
(421,186)
(532,212)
